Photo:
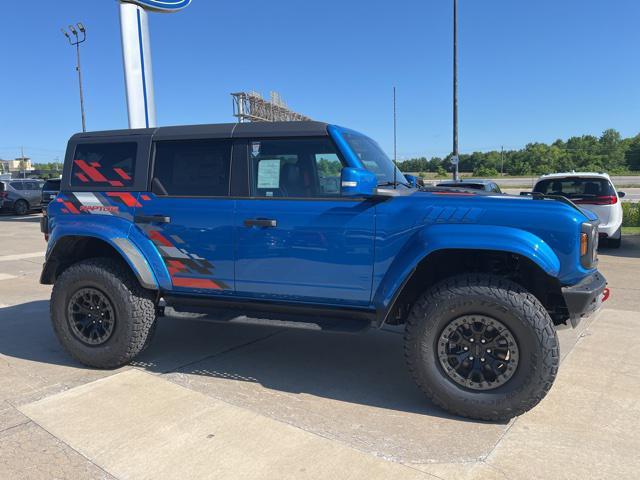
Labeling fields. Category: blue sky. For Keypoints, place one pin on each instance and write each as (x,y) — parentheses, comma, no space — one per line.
(529,71)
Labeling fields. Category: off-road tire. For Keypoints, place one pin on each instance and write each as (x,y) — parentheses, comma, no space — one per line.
(134,308)
(21,207)
(150,335)
(505,301)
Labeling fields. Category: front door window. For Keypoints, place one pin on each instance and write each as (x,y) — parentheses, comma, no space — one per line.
(295,168)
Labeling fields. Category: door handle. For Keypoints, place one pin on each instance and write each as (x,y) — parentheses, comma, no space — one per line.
(260,222)
(151,219)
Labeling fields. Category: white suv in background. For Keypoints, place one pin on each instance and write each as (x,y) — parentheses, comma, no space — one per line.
(592,191)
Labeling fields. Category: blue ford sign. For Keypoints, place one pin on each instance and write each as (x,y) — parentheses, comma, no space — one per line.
(161,5)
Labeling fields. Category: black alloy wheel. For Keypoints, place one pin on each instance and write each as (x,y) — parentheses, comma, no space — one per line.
(91,316)
(478,352)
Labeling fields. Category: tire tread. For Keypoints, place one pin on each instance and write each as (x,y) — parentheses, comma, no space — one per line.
(503,290)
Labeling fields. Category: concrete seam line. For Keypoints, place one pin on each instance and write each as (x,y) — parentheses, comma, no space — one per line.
(217,354)
(297,427)
(99,467)
(26,422)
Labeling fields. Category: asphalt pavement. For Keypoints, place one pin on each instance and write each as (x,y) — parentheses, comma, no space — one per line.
(250,402)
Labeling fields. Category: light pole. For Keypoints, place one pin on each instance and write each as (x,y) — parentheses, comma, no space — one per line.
(456,158)
(78,38)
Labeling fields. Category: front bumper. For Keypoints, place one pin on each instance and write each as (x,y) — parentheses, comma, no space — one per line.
(584,298)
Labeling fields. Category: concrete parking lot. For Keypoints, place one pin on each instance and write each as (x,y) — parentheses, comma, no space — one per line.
(251,402)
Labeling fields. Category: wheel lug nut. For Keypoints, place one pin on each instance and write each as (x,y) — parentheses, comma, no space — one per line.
(488,350)
(471,340)
(482,359)
(471,358)
(483,341)
(466,348)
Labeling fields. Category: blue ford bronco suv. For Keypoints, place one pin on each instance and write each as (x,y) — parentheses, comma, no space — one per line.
(310,222)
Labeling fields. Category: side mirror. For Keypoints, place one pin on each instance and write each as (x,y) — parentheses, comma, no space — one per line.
(621,194)
(356,182)
(412,179)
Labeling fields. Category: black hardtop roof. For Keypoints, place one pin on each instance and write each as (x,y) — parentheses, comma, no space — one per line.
(219,130)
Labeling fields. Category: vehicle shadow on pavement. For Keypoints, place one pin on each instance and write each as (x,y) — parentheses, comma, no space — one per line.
(362,369)
(630,248)
(26,334)
(366,369)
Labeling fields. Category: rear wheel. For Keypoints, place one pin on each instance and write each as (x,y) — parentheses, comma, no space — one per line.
(616,240)
(481,347)
(100,313)
(21,207)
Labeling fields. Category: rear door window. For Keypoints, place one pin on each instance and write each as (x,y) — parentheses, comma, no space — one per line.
(194,168)
(17,185)
(104,165)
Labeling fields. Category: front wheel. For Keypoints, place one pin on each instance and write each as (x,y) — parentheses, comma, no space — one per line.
(481,347)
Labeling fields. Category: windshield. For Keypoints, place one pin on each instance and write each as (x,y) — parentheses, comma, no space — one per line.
(374,159)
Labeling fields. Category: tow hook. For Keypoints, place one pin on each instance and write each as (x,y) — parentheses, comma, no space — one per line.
(605,294)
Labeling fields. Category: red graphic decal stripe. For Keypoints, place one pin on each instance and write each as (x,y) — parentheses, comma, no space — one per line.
(122,173)
(91,171)
(71,207)
(146,198)
(128,199)
(158,237)
(116,183)
(176,265)
(195,283)
(82,177)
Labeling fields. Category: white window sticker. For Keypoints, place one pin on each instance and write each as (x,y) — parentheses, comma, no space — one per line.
(269,173)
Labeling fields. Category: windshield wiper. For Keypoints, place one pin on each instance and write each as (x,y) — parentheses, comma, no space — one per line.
(393,184)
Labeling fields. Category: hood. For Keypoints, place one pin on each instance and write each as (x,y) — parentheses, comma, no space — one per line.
(549,218)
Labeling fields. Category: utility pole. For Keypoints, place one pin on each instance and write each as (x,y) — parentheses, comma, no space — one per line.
(456,158)
(502,160)
(77,39)
(395,154)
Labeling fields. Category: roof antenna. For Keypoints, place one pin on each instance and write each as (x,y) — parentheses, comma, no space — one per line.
(395,158)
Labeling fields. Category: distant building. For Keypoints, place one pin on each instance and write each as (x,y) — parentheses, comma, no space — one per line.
(20,164)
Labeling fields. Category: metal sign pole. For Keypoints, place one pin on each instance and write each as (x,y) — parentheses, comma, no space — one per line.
(138,71)
(136,56)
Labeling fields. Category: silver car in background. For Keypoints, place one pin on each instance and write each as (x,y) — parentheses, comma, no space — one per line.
(20,195)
